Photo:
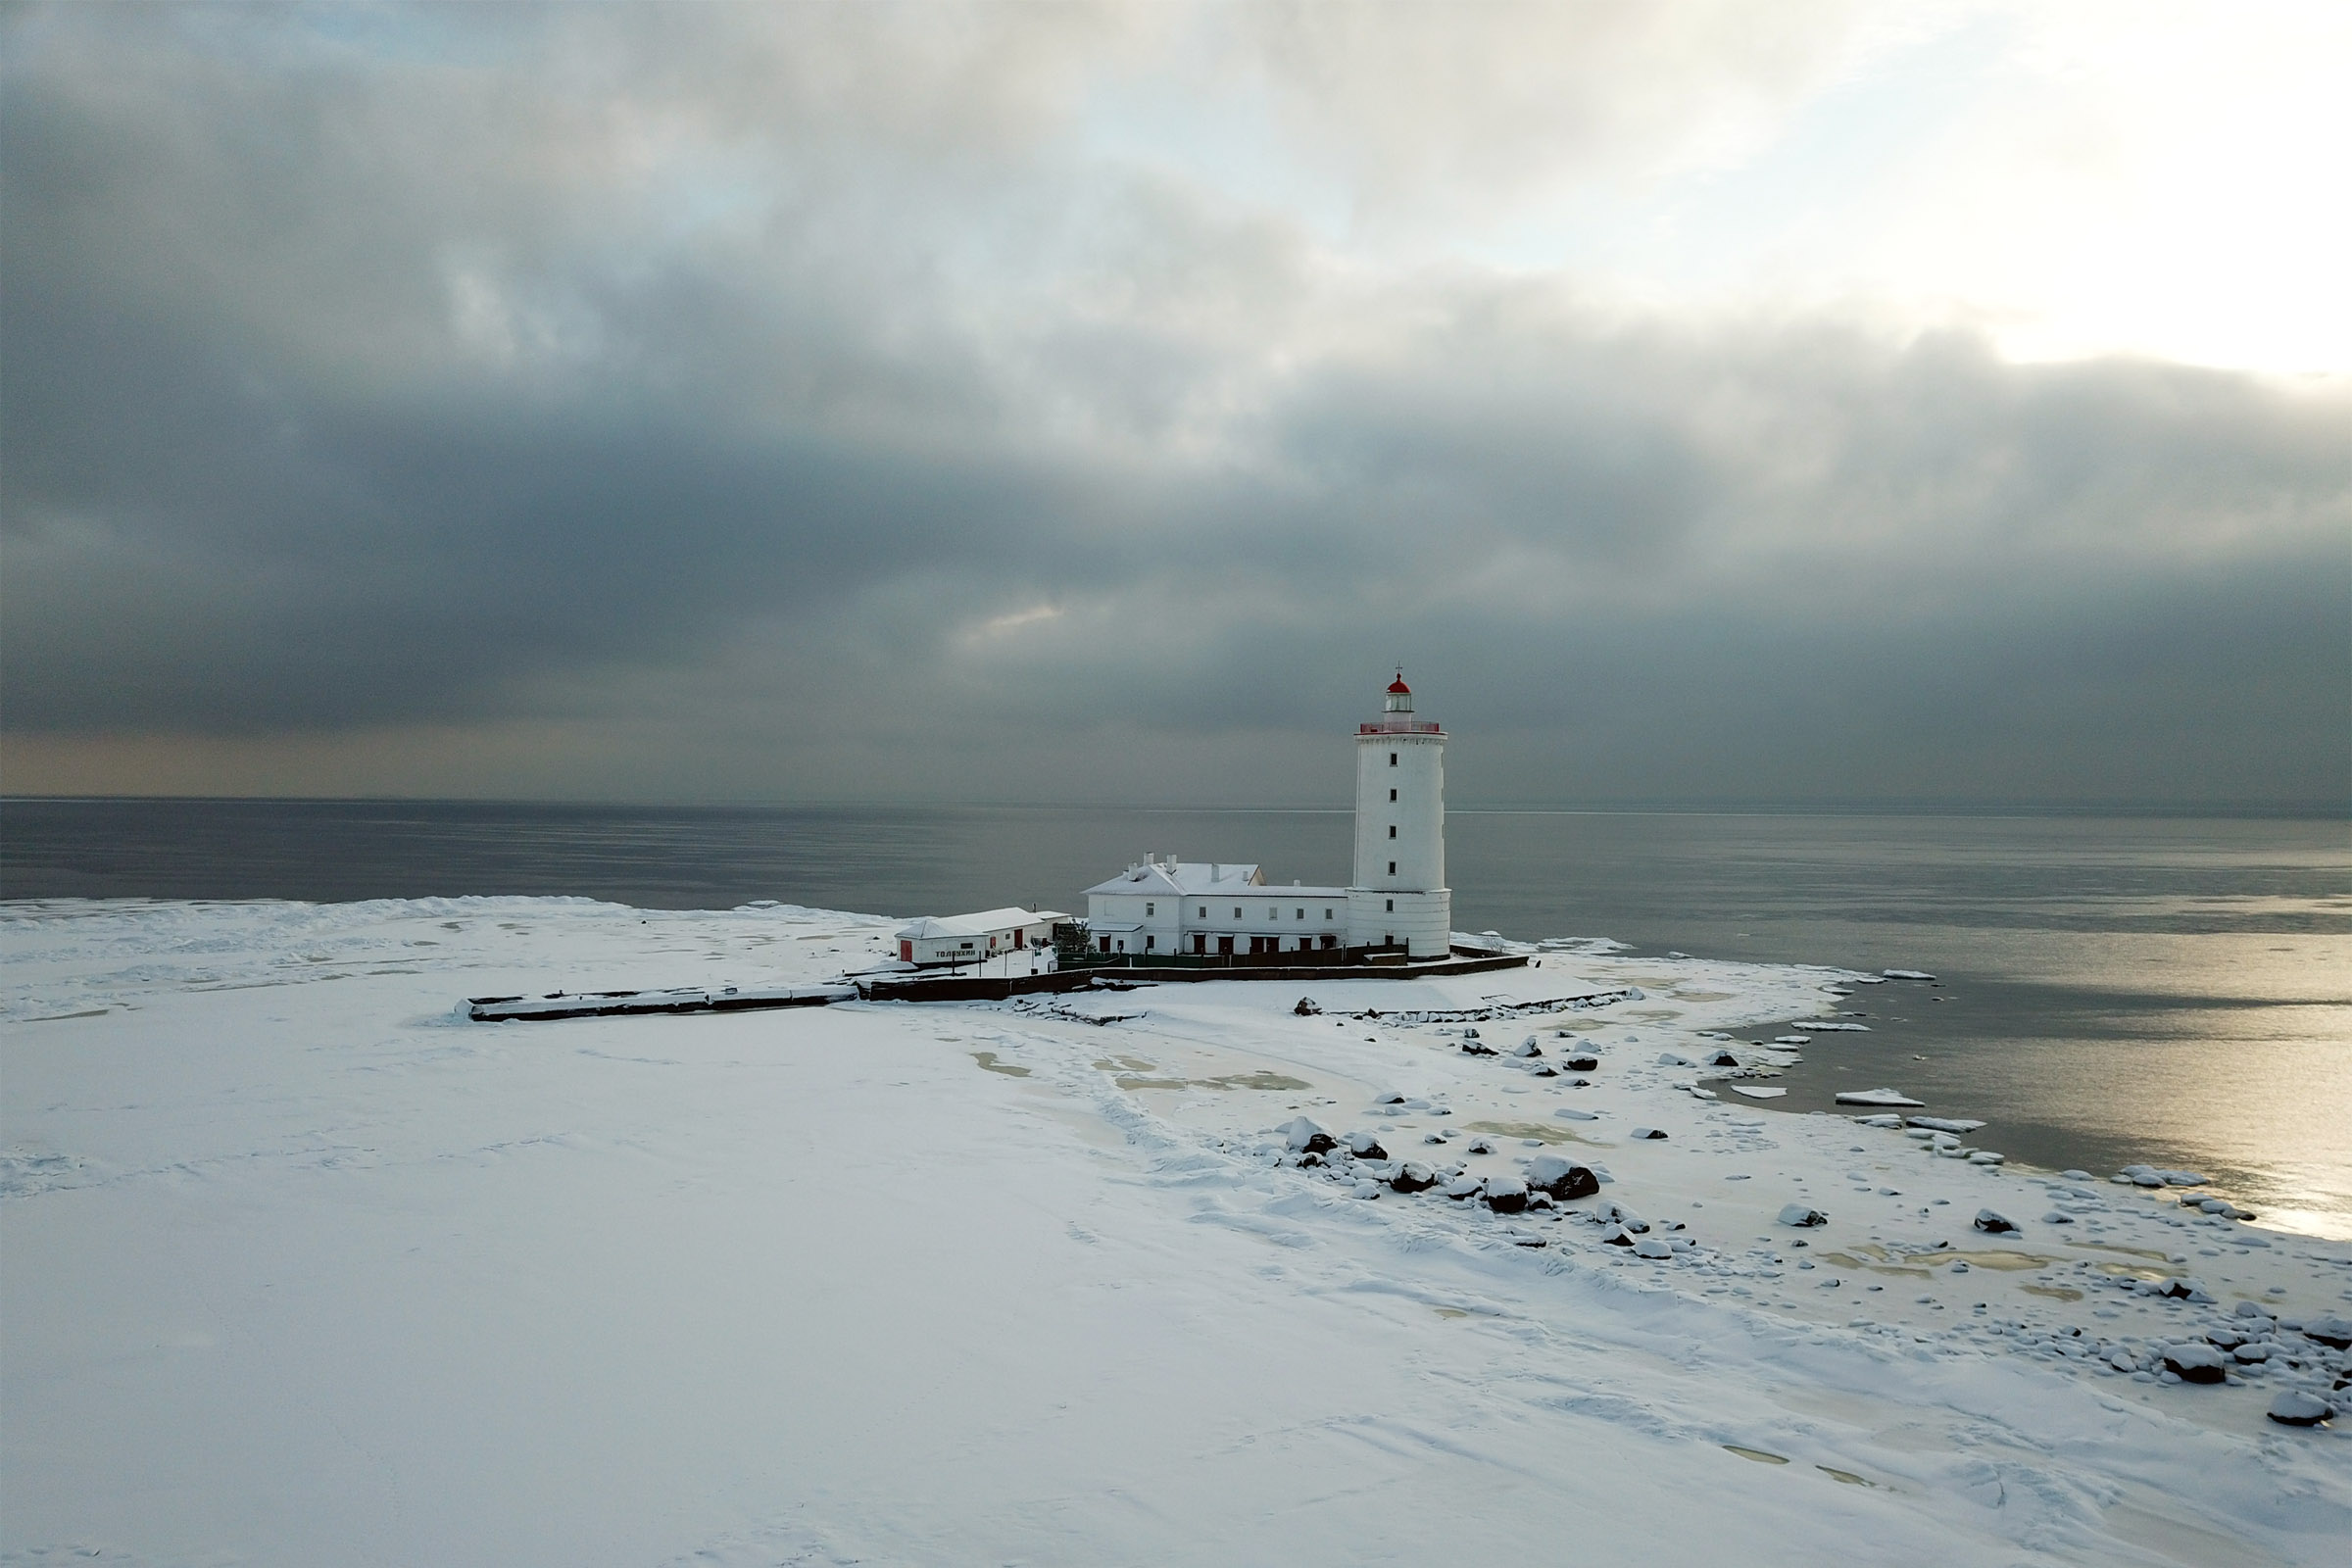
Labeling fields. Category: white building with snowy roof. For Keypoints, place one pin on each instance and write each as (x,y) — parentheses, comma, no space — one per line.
(970,938)
(1205,908)
(1397,902)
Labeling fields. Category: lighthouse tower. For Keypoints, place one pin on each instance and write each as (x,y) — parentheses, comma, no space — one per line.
(1399,896)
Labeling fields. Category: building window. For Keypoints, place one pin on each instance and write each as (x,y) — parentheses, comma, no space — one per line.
(1392,795)
(1391,868)
(1205,911)
(1391,906)
(1237,912)
(1150,909)
(1149,943)
(1391,830)
(1105,942)
(1302,914)
(1326,914)
(1392,758)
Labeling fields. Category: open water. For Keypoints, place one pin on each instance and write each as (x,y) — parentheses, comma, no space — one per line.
(2109,989)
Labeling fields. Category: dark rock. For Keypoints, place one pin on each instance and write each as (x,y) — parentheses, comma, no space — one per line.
(1993,1224)
(1481,1146)
(1505,1194)
(1723,1059)
(1582,1063)
(1306,1009)
(1363,1146)
(1561,1177)
(1473,1048)
(2333,1331)
(1647,1132)
(1413,1177)
(2292,1407)
(2195,1363)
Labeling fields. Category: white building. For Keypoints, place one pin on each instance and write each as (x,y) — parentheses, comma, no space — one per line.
(1207,909)
(970,938)
(1399,893)
(1399,898)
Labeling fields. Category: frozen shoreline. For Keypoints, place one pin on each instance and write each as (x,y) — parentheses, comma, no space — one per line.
(306,1267)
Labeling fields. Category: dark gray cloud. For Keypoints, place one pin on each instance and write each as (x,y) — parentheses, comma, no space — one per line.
(681,393)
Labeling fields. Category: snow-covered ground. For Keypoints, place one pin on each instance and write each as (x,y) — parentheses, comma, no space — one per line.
(299,1266)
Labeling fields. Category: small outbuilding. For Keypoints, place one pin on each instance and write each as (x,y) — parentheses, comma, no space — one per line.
(969,938)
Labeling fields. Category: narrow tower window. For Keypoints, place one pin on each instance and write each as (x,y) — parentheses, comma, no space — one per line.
(1391,830)
(1392,758)
(1391,868)
(1392,795)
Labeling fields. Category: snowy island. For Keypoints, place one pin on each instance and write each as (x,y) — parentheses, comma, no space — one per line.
(305,1266)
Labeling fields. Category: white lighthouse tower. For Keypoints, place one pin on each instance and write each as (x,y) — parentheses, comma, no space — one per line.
(1399,896)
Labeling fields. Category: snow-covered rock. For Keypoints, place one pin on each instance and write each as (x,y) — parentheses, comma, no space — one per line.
(1993,1224)
(2330,1331)
(1799,1214)
(1877,1097)
(2195,1363)
(1645,1132)
(2293,1407)
(1413,1177)
(1505,1194)
(1364,1146)
(1306,1136)
(1560,1177)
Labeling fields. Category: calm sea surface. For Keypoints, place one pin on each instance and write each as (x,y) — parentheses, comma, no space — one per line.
(2171,990)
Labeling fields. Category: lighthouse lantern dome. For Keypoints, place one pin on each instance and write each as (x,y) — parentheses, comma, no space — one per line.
(1401,695)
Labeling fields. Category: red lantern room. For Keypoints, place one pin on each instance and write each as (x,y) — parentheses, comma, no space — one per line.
(1401,695)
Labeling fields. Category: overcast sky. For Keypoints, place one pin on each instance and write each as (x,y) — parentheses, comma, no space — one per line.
(1704,402)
